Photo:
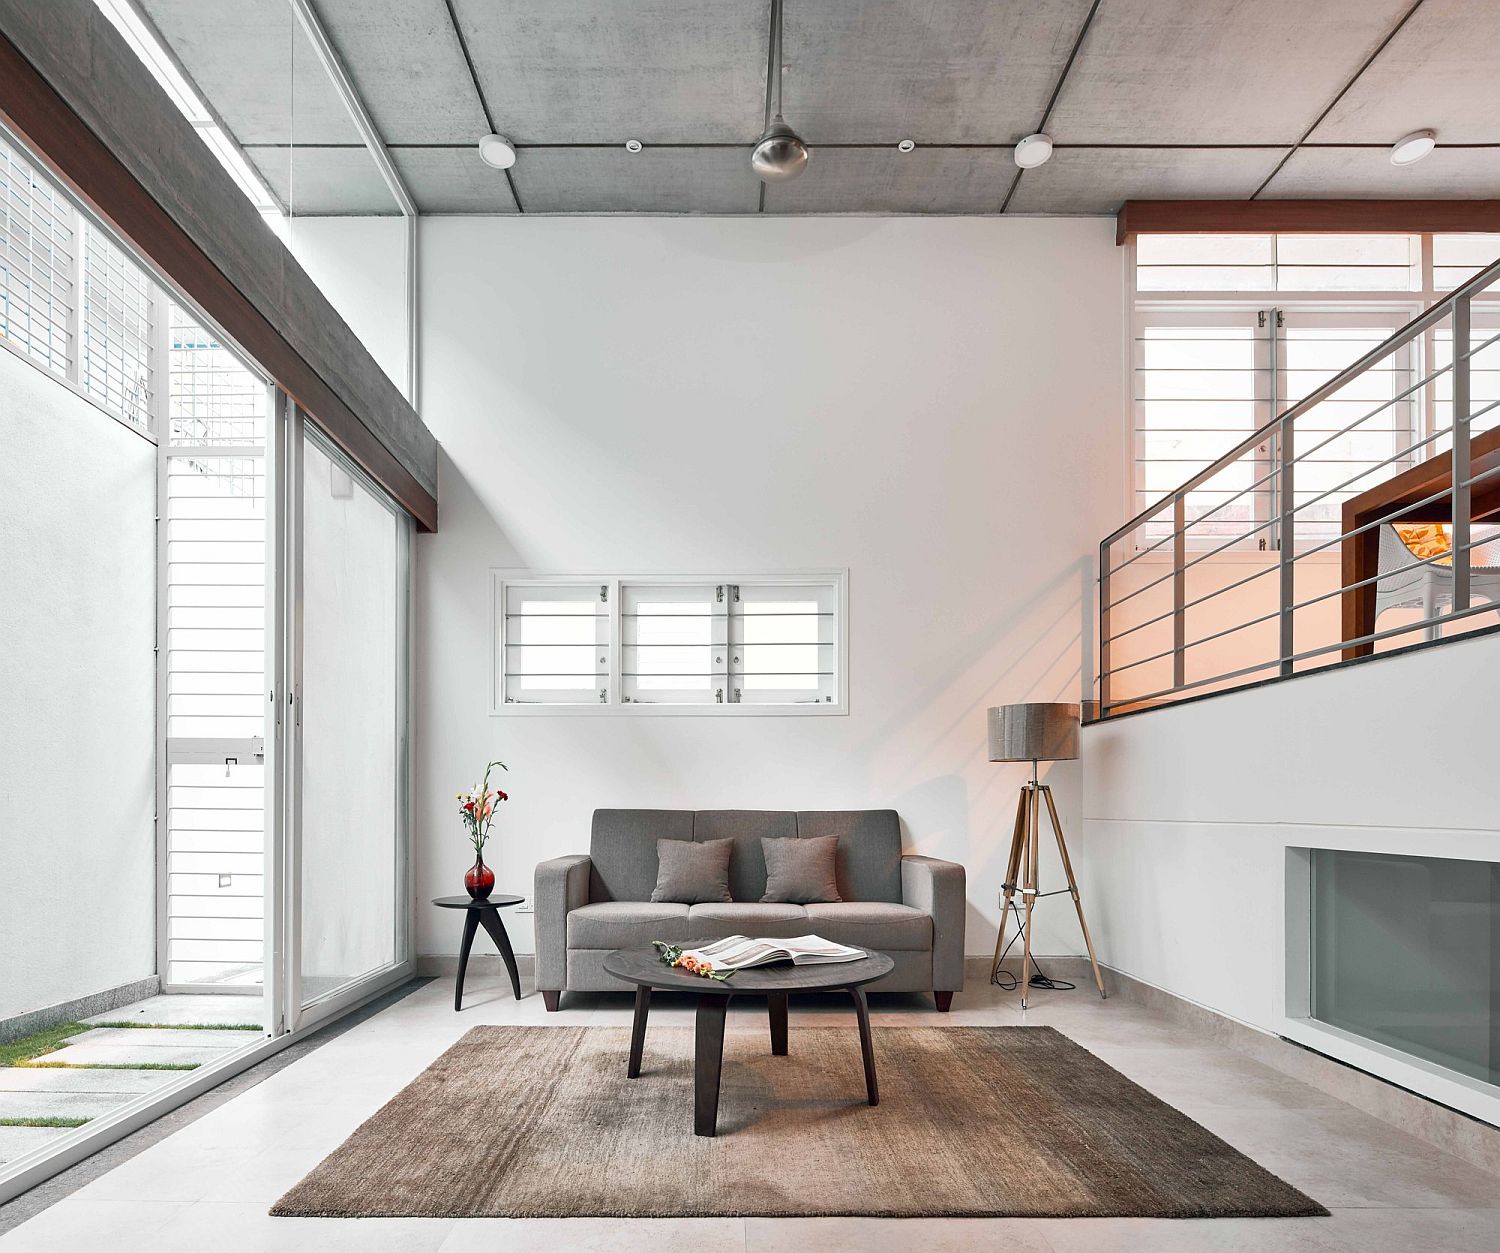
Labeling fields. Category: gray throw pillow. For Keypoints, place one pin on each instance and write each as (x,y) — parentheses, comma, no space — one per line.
(692,872)
(801,872)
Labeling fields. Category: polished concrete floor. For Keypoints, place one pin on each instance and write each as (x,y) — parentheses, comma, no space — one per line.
(209,1185)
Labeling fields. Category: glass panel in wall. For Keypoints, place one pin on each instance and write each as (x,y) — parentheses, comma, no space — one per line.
(1406,953)
(353,608)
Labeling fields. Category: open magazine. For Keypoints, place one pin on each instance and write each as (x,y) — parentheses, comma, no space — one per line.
(738,952)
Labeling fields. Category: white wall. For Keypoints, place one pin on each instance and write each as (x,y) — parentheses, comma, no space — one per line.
(934,404)
(1188,811)
(77,696)
(359,264)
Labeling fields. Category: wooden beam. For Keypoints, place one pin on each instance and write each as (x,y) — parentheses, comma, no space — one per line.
(82,162)
(1304,217)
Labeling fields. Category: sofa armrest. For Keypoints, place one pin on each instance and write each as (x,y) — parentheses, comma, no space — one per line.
(561,884)
(937,888)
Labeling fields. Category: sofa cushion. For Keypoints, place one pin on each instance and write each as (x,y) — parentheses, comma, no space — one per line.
(871,924)
(746,827)
(692,873)
(622,850)
(626,924)
(714,922)
(869,862)
(801,871)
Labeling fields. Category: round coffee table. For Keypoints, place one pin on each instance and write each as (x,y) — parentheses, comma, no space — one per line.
(482,912)
(642,967)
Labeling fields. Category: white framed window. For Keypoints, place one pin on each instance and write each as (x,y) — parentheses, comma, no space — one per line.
(653,644)
(1229,330)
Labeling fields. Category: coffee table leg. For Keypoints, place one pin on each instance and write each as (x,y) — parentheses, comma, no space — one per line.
(471,925)
(776,1004)
(496,927)
(638,1030)
(862,1012)
(708,1061)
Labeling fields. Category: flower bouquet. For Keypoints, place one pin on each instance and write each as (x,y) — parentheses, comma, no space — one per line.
(477,810)
(672,955)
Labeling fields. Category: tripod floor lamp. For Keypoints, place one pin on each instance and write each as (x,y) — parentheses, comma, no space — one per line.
(1034,732)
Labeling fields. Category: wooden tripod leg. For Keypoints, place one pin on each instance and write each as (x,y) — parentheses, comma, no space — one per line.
(1028,892)
(1011,870)
(1062,849)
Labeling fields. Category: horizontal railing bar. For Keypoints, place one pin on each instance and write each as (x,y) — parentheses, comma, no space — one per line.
(1316,652)
(1267,478)
(1405,335)
(1270,568)
(1337,591)
(1301,604)
(1398,512)
(1270,522)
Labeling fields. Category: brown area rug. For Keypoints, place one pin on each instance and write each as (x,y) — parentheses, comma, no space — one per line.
(541,1122)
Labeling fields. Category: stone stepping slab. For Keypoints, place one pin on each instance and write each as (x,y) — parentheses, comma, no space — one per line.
(146,1038)
(123,1083)
(43,1104)
(18,1141)
(124,1046)
(187,1008)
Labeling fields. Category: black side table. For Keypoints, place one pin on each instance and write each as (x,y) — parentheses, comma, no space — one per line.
(486,912)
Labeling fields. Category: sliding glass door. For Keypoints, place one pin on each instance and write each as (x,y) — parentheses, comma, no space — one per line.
(348,901)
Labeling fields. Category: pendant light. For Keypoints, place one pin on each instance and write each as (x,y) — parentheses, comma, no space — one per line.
(780,155)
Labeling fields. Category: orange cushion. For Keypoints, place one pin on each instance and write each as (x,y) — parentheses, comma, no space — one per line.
(1426,540)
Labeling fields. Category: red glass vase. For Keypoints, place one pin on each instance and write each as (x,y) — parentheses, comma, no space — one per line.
(479,879)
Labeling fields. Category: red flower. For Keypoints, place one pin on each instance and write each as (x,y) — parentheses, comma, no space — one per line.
(502,796)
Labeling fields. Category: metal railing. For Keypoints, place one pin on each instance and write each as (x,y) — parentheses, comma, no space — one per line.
(1162,638)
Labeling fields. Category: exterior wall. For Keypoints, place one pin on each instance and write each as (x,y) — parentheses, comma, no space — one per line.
(78,714)
(932,403)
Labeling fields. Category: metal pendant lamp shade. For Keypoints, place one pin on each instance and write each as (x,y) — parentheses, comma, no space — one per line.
(779,154)
(1034,732)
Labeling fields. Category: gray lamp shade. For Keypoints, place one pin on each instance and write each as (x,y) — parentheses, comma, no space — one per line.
(1036,732)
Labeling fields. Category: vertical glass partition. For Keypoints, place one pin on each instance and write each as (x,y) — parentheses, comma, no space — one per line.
(352,609)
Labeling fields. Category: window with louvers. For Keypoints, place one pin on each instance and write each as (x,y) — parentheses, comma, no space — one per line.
(665,643)
(554,643)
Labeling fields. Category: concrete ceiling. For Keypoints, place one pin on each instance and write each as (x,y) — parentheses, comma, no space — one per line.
(1145,99)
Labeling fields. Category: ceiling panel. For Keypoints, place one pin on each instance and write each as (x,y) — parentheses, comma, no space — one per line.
(601,71)
(657,180)
(316,182)
(1441,72)
(253,63)
(1098,180)
(408,67)
(941,71)
(882,180)
(1215,71)
(1367,174)
(452,180)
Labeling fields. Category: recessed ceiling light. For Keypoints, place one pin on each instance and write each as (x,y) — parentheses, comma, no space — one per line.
(497,151)
(1412,148)
(1033,151)
(906,145)
(632,145)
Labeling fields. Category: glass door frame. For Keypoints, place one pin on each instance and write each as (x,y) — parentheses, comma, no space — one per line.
(294,1014)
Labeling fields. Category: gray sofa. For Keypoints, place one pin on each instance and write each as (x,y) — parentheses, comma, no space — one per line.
(909,907)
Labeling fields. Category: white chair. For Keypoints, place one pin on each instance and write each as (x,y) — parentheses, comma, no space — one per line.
(1427,586)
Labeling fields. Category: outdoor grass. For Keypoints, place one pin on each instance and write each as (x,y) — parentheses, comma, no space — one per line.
(42,1122)
(110,1065)
(28,1048)
(183,1026)
(19,1052)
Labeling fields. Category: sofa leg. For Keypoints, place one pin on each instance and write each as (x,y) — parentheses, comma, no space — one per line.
(551,999)
(944,1000)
